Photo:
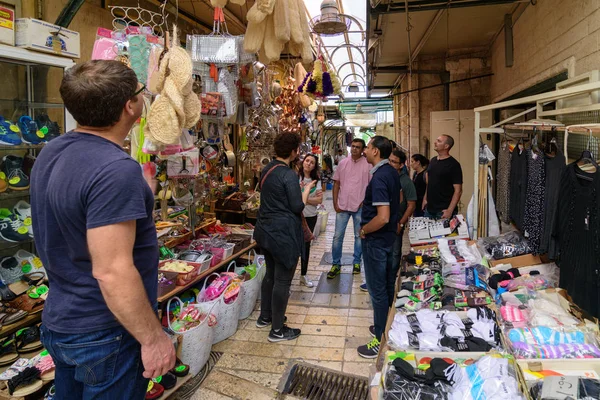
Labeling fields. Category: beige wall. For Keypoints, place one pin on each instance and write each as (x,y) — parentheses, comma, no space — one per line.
(463,95)
(550,37)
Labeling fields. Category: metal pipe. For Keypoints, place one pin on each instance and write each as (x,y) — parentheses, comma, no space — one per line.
(438,85)
(368,18)
(383,9)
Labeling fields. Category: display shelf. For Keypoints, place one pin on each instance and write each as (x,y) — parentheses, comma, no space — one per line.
(14,194)
(21,146)
(180,383)
(204,274)
(4,245)
(177,241)
(27,321)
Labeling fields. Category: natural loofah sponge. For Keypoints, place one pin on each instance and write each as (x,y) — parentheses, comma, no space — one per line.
(281,17)
(255,15)
(296,34)
(255,36)
(272,45)
(266,6)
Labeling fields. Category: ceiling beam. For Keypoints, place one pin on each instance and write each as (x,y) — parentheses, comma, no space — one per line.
(436,19)
(403,69)
(432,5)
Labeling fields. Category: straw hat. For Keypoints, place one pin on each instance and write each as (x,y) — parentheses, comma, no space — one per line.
(177,107)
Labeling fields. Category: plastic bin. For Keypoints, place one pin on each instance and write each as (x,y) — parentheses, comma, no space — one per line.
(166,288)
(183,278)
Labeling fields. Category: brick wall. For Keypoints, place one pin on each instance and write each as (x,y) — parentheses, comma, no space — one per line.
(550,37)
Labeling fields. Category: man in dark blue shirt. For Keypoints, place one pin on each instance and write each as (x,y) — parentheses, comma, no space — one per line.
(92,218)
(380,216)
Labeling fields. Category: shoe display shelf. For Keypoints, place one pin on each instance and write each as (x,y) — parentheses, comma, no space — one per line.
(30,88)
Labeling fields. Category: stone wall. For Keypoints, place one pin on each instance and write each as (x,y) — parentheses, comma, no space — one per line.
(549,38)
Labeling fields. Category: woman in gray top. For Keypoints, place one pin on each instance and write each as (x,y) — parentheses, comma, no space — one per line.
(309,172)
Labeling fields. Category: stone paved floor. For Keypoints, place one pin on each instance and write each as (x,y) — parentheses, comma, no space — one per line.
(332,326)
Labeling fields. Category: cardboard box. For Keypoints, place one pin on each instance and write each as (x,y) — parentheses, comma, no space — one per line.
(7,25)
(525,260)
(42,36)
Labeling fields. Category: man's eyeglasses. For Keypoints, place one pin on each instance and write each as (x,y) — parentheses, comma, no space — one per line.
(394,162)
(140,90)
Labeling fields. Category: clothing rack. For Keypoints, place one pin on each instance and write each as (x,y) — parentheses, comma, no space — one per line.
(539,100)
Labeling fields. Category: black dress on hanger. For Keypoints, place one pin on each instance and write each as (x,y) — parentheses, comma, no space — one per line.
(533,220)
(554,168)
(518,186)
(578,236)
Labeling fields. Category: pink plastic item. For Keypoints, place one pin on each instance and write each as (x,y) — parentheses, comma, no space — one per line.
(217,287)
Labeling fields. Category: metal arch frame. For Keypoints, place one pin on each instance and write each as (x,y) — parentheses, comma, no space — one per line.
(364,81)
(349,63)
(356,21)
(349,45)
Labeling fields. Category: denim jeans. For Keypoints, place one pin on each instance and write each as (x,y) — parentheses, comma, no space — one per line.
(380,279)
(105,364)
(341,222)
(397,253)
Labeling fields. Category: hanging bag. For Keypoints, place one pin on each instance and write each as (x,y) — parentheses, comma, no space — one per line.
(250,289)
(308,236)
(197,341)
(219,47)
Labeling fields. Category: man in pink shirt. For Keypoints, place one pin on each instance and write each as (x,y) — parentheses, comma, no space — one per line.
(350,184)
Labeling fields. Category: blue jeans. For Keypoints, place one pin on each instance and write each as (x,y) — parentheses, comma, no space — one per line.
(380,280)
(105,364)
(397,253)
(341,222)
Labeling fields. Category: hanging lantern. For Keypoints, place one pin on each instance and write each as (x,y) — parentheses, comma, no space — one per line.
(330,22)
(358,108)
(321,114)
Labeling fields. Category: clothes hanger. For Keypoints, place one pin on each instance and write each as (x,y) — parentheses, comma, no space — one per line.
(587,158)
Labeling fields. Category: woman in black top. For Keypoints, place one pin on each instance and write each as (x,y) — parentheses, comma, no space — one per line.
(279,233)
(419,163)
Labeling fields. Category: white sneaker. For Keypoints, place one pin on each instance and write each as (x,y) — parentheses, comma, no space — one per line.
(306,282)
(23,211)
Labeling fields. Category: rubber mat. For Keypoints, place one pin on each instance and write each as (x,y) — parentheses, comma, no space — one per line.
(347,259)
(341,284)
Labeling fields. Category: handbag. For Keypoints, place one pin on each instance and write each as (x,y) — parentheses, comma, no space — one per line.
(308,235)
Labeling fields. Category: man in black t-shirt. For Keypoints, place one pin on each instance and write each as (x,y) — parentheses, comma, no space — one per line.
(444,181)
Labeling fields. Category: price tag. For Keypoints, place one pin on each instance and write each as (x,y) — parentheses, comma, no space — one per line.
(560,387)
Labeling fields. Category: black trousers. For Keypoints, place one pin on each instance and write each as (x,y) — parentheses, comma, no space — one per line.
(275,291)
(311,221)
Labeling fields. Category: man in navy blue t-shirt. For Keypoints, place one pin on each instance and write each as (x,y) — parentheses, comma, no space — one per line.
(380,216)
(92,219)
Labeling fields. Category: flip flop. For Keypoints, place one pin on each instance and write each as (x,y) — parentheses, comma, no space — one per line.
(28,339)
(25,383)
(168,380)
(180,369)
(9,315)
(46,367)
(154,391)
(8,351)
